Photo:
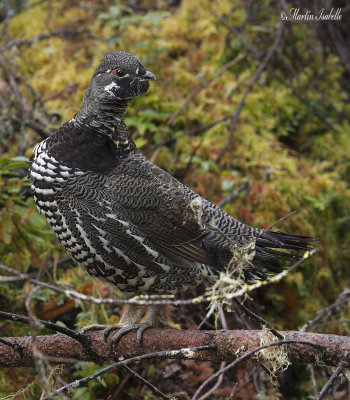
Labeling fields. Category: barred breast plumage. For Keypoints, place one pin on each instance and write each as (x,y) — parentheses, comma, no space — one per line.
(125,220)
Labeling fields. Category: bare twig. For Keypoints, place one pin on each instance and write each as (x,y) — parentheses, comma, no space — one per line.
(311,368)
(280,220)
(193,132)
(7,279)
(12,81)
(102,371)
(233,194)
(340,368)
(145,382)
(47,324)
(6,21)
(202,85)
(166,299)
(39,359)
(240,388)
(38,128)
(251,83)
(116,394)
(342,298)
(15,346)
(260,319)
(193,153)
(341,321)
(67,33)
(243,358)
(68,89)
(217,384)
(341,45)
(308,102)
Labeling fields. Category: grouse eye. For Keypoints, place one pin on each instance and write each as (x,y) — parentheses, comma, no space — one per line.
(118,71)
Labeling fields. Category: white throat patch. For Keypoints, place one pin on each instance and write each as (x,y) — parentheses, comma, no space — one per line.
(109,87)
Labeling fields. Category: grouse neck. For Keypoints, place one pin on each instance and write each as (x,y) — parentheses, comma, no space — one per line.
(109,125)
(102,116)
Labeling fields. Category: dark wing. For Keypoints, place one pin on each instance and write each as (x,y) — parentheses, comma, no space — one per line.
(156,203)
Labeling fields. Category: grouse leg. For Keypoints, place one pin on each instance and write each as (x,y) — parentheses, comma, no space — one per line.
(153,321)
(132,314)
(129,323)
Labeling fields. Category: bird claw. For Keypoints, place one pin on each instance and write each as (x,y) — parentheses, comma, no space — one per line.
(96,327)
(126,325)
(140,328)
(107,329)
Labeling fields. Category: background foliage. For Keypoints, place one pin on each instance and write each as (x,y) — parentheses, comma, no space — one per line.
(291,143)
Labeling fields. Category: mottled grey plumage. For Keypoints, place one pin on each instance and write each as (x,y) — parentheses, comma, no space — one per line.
(125,220)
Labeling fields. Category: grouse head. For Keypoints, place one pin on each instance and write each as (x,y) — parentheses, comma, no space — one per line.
(120,76)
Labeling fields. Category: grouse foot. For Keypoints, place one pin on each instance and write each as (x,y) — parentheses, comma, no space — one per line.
(128,323)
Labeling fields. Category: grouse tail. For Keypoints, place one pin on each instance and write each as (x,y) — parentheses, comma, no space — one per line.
(274,249)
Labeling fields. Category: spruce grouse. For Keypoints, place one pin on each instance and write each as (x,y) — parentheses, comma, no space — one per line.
(125,220)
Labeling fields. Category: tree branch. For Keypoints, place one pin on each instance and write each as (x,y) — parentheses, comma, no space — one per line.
(224,346)
(340,368)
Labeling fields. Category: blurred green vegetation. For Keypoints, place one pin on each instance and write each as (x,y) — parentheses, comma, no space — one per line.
(291,142)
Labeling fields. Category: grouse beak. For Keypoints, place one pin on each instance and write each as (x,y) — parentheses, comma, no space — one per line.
(148,75)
